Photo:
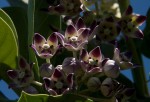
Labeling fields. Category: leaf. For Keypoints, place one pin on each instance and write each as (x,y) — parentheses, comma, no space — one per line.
(20,22)
(145,43)
(123,4)
(8,45)
(32,57)
(46,98)
(8,20)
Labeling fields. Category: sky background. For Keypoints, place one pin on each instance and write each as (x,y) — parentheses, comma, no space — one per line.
(139,7)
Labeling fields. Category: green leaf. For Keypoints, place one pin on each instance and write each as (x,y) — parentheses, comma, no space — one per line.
(20,22)
(123,4)
(46,98)
(8,45)
(32,56)
(8,20)
(145,43)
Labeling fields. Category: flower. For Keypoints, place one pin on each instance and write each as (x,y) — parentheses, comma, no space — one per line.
(76,36)
(72,65)
(46,70)
(58,83)
(45,48)
(111,69)
(110,7)
(108,30)
(66,7)
(91,62)
(93,84)
(23,76)
(123,59)
(109,87)
(129,23)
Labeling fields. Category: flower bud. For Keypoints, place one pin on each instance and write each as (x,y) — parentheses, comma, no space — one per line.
(108,87)
(93,83)
(71,65)
(46,70)
(111,69)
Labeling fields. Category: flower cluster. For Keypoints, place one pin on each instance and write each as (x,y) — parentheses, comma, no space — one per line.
(88,67)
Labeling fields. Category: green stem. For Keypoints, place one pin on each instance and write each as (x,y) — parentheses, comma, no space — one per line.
(48,60)
(74,54)
(37,83)
(138,73)
(32,56)
(97,8)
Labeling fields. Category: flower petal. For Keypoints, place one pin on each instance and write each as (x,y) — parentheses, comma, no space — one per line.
(38,39)
(104,62)
(38,42)
(69,47)
(84,55)
(125,65)
(81,45)
(66,91)
(70,80)
(60,37)
(57,74)
(126,56)
(96,54)
(95,70)
(70,31)
(47,82)
(35,50)
(139,19)
(116,56)
(53,40)
(52,92)
(136,33)
(95,31)
(84,35)
(80,24)
(129,10)
(12,74)
(23,64)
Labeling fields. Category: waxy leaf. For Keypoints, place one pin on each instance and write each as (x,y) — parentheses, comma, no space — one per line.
(46,98)
(9,21)
(20,22)
(8,45)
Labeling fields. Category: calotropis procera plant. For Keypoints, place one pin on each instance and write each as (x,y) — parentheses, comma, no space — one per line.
(75,58)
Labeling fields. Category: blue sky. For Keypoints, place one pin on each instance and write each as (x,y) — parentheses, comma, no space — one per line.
(139,7)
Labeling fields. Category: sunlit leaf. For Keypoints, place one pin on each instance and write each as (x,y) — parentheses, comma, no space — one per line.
(20,22)
(8,45)
(46,98)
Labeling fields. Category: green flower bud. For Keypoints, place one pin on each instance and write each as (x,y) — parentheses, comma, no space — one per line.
(93,84)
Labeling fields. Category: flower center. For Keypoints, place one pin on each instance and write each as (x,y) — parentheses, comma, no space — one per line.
(92,62)
(73,39)
(45,46)
(21,74)
(59,85)
(130,25)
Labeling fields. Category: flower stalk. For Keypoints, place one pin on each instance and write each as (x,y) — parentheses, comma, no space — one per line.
(138,73)
(37,83)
